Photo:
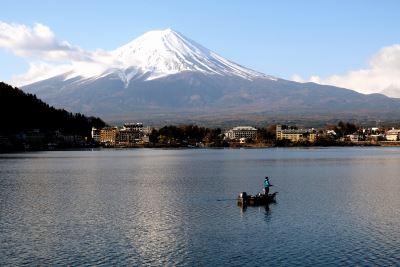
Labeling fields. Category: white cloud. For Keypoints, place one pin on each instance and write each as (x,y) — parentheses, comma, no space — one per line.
(381,76)
(38,42)
(39,71)
(297,78)
(48,56)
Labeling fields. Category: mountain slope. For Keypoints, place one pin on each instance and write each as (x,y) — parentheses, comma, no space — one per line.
(164,73)
(162,53)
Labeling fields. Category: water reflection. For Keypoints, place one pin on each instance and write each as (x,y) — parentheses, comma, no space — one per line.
(159,207)
(265,208)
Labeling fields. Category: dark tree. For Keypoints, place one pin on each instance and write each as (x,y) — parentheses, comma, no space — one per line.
(20,112)
(345,128)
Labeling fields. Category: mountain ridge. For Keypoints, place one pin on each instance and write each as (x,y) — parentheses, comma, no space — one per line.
(163,72)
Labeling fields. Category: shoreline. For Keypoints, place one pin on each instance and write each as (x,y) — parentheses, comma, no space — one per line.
(236,146)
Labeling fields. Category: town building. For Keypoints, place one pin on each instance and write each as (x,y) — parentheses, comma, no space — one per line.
(138,126)
(354,138)
(96,134)
(393,135)
(296,135)
(133,133)
(129,134)
(246,132)
(125,137)
(108,135)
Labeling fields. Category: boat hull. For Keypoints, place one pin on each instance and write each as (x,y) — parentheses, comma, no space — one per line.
(257,200)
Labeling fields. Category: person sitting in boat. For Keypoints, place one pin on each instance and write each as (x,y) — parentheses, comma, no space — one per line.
(267,184)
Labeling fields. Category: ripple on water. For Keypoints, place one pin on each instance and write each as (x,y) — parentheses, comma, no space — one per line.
(160,208)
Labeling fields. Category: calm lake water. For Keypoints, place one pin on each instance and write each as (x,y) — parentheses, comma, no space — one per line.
(336,206)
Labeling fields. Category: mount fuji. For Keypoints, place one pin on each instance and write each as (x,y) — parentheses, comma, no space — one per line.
(165,75)
(161,53)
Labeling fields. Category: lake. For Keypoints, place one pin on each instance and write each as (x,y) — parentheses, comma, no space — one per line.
(154,207)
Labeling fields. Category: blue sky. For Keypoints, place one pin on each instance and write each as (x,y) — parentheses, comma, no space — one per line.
(280,38)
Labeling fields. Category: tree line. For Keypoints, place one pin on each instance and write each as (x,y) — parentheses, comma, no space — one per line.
(21,112)
(186,135)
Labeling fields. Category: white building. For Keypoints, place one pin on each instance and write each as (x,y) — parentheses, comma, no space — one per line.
(355,137)
(393,135)
(239,132)
(96,134)
(296,135)
(134,126)
(134,133)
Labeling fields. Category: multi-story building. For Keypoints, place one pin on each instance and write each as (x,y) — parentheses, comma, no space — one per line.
(138,127)
(109,135)
(96,134)
(128,136)
(133,133)
(295,135)
(239,132)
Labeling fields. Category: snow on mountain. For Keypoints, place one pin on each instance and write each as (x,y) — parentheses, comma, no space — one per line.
(165,52)
(162,73)
(158,54)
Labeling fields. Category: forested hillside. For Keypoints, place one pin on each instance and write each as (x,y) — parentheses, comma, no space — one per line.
(25,112)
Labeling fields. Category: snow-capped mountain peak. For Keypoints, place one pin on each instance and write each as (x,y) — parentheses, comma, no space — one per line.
(170,77)
(164,52)
(153,55)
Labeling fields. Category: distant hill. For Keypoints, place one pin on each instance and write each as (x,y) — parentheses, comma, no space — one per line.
(164,76)
(21,112)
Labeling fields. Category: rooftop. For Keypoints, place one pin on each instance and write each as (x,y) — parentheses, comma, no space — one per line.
(244,128)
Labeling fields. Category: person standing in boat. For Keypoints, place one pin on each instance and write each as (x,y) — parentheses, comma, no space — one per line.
(266,185)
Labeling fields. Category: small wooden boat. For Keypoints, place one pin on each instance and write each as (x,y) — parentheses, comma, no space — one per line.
(257,200)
